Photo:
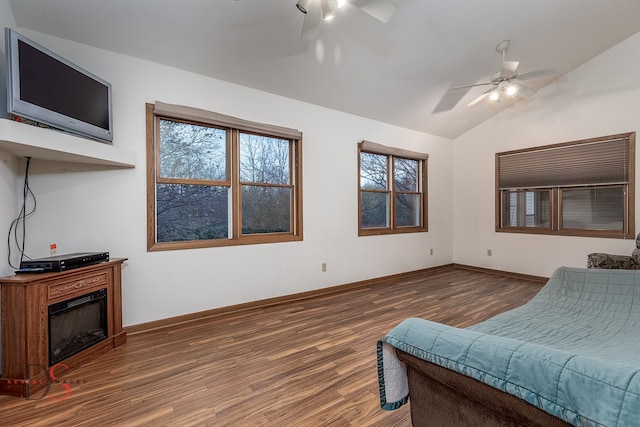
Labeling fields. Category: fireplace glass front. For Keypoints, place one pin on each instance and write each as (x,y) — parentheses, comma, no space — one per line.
(77,324)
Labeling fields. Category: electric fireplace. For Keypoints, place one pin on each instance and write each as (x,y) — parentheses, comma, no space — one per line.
(68,317)
(77,324)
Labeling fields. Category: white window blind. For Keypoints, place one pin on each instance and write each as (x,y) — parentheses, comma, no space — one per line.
(593,163)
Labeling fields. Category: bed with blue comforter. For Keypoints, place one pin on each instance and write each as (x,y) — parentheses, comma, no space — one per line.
(573,350)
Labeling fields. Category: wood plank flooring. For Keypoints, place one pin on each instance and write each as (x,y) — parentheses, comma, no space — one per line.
(303,363)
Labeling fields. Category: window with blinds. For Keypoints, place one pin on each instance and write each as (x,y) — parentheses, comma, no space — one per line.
(582,188)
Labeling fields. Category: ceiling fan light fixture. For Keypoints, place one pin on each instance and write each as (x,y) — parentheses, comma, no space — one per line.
(316,11)
(512,90)
(303,6)
(494,95)
(328,11)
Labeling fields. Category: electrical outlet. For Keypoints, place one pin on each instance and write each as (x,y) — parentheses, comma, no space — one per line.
(324,267)
(489,252)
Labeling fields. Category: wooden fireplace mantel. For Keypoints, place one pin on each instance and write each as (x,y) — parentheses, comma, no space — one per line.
(25,299)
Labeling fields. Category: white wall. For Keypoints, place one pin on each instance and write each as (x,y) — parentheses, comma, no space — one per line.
(8,195)
(597,99)
(8,181)
(87,208)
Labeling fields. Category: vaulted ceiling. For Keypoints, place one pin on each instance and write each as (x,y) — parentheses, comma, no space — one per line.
(397,72)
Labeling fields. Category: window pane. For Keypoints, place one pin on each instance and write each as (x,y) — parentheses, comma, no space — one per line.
(405,174)
(191,212)
(373,171)
(266,209)
(526,208)
(374,211)
(593,208)
(191,151)
(408,210)
(264,159)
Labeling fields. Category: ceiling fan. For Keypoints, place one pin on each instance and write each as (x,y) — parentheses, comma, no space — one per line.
(316,11)
(505,84)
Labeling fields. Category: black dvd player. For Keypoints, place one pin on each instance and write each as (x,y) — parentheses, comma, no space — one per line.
(62,262)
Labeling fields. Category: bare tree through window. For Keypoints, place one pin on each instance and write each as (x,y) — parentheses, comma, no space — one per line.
(391,193)
(265,180)
(215,185)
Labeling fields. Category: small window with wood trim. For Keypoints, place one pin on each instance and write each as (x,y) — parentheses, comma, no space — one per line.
(393,190)
(579,188)
(215,180)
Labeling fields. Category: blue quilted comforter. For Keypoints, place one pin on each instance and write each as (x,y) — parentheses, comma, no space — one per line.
(573,350)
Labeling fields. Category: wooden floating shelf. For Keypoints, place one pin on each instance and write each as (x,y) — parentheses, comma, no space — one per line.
(23,140)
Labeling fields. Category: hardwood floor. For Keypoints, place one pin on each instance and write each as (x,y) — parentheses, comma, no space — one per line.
(303,363)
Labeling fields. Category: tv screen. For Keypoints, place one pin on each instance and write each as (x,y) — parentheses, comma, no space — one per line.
(46,88)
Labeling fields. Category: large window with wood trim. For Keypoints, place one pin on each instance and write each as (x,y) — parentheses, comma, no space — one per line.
(216,180)
(579,188)
(392,190)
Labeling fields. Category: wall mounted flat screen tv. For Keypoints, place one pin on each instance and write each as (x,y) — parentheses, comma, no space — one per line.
(46,88)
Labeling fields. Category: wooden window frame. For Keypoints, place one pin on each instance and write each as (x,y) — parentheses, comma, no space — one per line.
(391,153)
(234,127)
(556,208)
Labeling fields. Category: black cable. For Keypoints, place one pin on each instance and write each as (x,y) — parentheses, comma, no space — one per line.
(22,216)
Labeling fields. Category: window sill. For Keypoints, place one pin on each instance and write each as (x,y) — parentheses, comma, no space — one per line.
(253,240)
(573,233)
(385,231)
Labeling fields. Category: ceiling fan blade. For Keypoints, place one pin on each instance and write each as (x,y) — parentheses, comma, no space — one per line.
(382,10)
(546,72)
(450,99)
(524,91)
(509,69)
(312,21)
(469,86)
(480,98)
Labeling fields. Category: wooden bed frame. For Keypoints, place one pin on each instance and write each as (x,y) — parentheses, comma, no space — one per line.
(440,397)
